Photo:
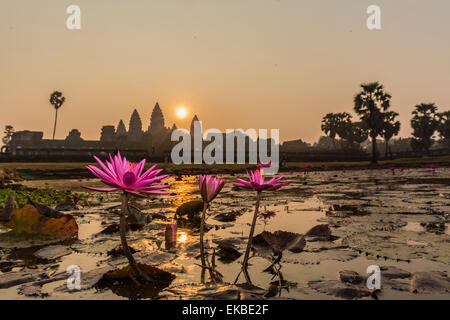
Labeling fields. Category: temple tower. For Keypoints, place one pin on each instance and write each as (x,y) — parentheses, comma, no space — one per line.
(121,130)
(156,120)
(135,127)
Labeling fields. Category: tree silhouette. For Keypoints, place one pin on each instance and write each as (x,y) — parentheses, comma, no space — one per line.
(354,133)
(444,127)
(57,100)
(390,128)
(424,123)
(370,104)
(9,131)
(333,124)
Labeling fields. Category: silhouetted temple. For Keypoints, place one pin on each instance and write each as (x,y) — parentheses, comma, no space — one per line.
(153,142)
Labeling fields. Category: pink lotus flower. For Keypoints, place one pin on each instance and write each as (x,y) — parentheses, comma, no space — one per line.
(128,177)
(263,165)
(309,166)
(432,166)
(121,174)
(210,187)
(256,181)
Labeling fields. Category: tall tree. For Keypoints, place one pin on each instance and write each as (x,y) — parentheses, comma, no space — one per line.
(57,100)
(391,128)
(444,127)
(424,123)
(354,133)
(333,123)
(370,104)
(9,131)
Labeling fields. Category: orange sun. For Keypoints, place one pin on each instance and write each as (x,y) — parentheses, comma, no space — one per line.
(181,112)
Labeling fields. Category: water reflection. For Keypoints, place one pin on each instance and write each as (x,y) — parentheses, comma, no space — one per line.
(173,236)
(182,237)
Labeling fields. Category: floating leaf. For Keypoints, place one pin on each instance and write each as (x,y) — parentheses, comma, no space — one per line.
(121,282)
(320,232)
(277,242)
(227,251)
(190,209)
(30,223)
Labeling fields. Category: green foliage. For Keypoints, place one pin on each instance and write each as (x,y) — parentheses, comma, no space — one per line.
(371,104)
(46,196)
(354,133)
(390,127)
(424,123)
(9,131)
(444,126)
(334,123)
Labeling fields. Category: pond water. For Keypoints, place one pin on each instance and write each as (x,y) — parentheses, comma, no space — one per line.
(375,217)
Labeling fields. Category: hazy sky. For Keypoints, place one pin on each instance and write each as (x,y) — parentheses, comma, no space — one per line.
(235,63)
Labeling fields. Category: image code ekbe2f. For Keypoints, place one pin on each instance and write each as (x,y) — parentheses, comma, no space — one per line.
(210,150)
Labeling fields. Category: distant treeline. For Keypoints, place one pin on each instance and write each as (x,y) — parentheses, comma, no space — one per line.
(376,119)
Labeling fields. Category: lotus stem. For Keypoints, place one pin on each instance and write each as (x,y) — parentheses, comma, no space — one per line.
(250,239)
(202,245)
(126,249)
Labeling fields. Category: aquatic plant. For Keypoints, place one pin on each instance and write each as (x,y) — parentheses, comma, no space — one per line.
(210,187)
(122,175)
(256,183)
(46,195)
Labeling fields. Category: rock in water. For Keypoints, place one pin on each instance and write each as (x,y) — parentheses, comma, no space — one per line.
(14,278)
(6,175)
(340,289)
(348,276)
(225,217)
(430,282)
(39,223)
(135,217)
(191,209)
(67,205)
(320,232)
(53,252)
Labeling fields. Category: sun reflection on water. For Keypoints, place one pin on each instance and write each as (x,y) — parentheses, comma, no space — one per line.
(182,237)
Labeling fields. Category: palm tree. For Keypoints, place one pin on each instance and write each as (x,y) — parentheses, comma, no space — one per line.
(390,128)
(354,133)
(444,127)
(57,100)
(370,104)
(332,124)
(424,123)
